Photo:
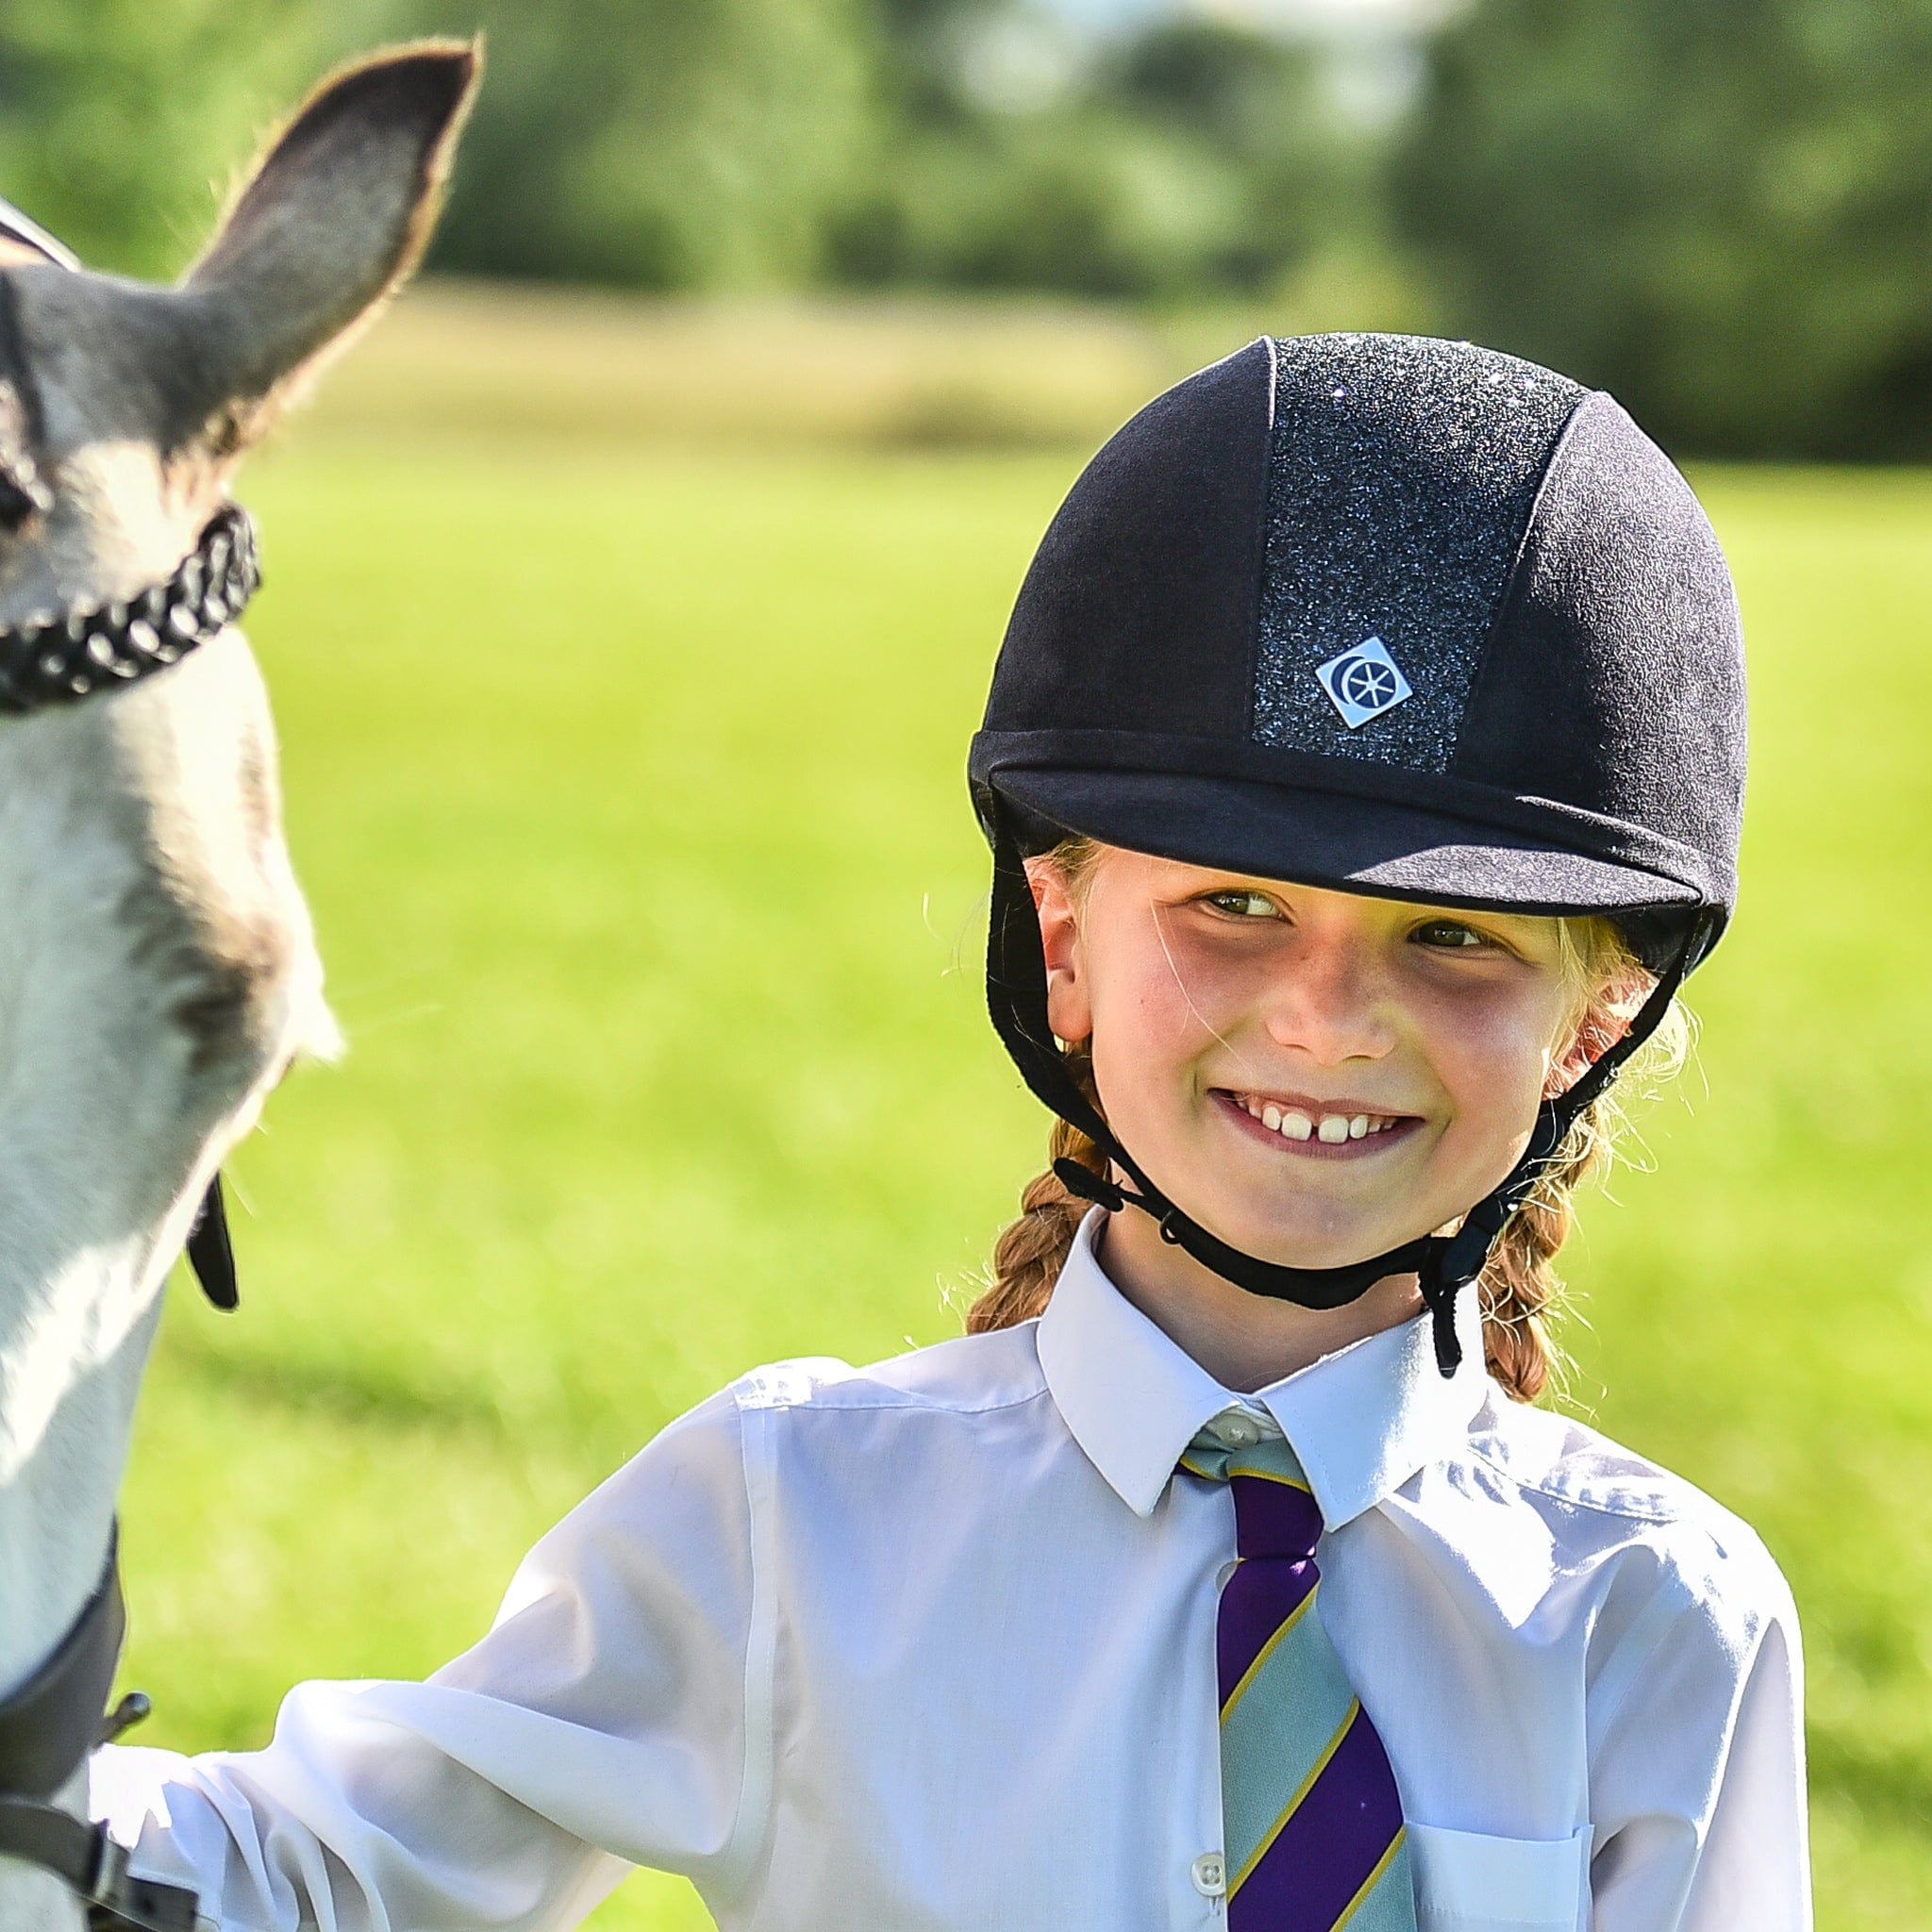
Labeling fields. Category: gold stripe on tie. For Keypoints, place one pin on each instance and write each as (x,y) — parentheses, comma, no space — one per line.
(1266,1475)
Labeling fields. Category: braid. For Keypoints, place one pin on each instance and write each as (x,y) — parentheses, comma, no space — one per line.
(1032,1250)
(1519,1289)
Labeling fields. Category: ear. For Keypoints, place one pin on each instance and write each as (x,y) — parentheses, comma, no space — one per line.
(1068,1012)
(331,222)
(1603,1024)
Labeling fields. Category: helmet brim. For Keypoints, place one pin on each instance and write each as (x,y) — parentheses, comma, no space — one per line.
(1345,843)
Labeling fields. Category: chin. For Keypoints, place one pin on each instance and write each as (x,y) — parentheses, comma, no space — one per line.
(1329,1251)
(1297,1245)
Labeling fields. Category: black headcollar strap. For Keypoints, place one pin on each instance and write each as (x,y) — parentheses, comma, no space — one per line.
(1444,1264)
(62,658)
(48,1729)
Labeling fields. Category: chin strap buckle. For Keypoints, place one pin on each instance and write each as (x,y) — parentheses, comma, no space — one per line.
(1078,1178)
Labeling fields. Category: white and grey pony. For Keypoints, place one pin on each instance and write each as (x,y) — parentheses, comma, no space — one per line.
(157,967)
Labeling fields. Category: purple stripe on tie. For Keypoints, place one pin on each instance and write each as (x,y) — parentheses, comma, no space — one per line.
(1324,1854)
(1272,1519)
(1255,1602)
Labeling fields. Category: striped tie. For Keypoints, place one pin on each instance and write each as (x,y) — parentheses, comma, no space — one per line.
(1310,1813)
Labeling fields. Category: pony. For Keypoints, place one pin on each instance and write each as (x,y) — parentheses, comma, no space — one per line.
(158,970)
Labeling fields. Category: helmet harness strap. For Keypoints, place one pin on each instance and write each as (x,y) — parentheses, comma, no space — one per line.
(1444,1264)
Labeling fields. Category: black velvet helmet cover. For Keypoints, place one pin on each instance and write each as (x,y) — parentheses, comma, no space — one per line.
(1388,615)
(1533,567)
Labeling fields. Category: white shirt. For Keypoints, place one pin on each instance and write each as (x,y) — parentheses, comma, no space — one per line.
(929,1646)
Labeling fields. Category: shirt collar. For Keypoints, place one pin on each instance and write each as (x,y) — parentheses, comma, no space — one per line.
(1361,1421)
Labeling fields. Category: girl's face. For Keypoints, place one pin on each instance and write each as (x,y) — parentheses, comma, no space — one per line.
(1317,1077)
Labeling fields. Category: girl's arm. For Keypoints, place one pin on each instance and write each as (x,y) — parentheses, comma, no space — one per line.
(1697,1785)
(600,1724)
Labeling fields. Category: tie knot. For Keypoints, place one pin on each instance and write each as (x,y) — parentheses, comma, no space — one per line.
(1274,1512)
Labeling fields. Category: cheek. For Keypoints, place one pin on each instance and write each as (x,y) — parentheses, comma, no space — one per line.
(1494,1059)
(1170,1002)
(1155,1011)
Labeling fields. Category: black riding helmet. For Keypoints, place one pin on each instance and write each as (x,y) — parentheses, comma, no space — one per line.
(1388,615)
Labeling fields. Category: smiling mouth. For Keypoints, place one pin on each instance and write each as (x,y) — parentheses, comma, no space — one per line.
(1305,1125)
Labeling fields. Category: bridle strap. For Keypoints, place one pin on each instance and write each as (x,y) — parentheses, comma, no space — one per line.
(48,1725)
(1443,1264)
(94,1868)
(48,1729)
(62,658)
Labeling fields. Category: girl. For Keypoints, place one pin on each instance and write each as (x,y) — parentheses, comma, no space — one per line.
(1362,771)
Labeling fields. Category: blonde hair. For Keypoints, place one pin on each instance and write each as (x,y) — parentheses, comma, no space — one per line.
(1519,1288)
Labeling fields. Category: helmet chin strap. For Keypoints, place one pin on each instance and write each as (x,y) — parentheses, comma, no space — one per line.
(1444,1264)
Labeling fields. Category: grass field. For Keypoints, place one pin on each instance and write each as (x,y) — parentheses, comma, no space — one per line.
(626,779)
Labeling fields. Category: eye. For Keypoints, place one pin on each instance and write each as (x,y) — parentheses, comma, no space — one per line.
(1238,903)
(23,497)
(1451,935)
(22,494)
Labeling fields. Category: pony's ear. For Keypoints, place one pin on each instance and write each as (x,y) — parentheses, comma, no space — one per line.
(332,221)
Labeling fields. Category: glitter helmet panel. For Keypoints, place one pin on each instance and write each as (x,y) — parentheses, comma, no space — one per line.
(1401,476)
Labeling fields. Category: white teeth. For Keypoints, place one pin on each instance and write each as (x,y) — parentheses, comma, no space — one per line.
(1332,1128)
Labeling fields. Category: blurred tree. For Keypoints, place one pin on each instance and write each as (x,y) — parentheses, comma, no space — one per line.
(1301,173)
(122,121)
(1197,157)
(1721,209)
(703,143)
(655,144)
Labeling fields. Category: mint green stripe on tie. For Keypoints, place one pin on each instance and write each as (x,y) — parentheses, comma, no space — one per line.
(1274,1731)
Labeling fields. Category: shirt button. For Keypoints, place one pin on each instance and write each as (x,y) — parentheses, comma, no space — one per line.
(1237,1431)
(1209,1874)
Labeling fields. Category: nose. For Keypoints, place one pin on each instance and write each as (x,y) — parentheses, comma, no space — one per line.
(1331,999)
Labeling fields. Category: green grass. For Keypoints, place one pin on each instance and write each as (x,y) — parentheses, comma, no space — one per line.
(626,785)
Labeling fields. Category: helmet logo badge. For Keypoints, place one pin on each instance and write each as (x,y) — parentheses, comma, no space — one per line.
(1363,683)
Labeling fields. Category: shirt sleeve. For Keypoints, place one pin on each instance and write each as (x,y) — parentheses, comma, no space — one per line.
(602,1723)
(1698,1775)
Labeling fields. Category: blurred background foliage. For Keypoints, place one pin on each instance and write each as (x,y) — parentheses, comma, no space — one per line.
(1719,209)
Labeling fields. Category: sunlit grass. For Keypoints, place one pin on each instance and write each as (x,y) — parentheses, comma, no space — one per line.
(627,789)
